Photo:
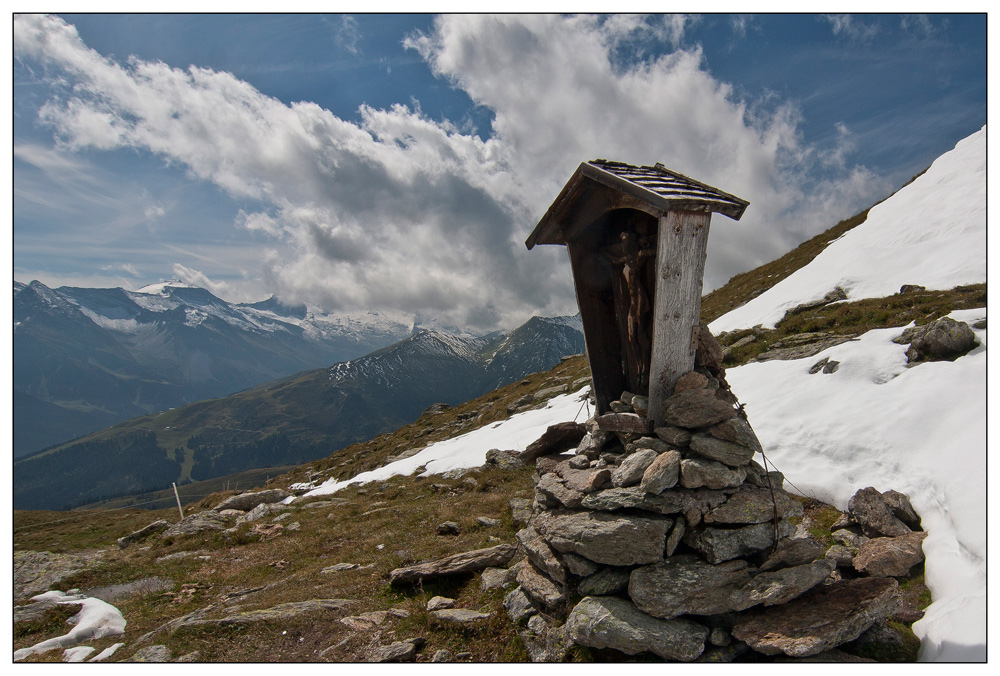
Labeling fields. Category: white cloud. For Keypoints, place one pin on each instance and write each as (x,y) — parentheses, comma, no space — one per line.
(400,211)
(852,27)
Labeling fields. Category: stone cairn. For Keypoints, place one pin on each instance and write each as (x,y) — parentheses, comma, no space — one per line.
(674,541)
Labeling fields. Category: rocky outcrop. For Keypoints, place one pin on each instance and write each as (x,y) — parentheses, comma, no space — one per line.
(676,541)
(611,622)
(157,526)
(247,501)
(556,439)
(467,562)
(830,616)
(941,340)
(196,523)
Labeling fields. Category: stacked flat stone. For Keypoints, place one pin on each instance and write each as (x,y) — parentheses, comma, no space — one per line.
(668,540)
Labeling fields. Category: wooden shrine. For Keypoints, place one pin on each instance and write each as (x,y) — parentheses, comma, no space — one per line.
(637,239)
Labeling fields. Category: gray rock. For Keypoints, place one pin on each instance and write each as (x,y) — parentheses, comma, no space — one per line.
(890,557)
(466,562)
(337,567)
(545,643)
(942,340)
(518,606)
(870,510)
(442,655)
(693,380)
(540,588)
(440,603)
(726,452)
(448,528)
(652,443)
(579,566)
(723,544)
(541,555)
(260,511)
(724,654)
(842,555)
(696,408)
(838,293)
(911,288)
(662,473)
(812,344)
(825,618)
(848,538)
(555,489)
(616,540)
(720,637)
(486,522)
(579,462)
(196,523)
(611,622)
(556,439)
(520,510)
(673,435)
(686,585)
(151,653)
(738,431)
(675,537)
(640,405)
(880,638)
(503,459)
(400,651)
(593,443)
(794,552)
(674,501)
(247,501)
(632,468)
(604,582)
(157,526)
(624,422)
(697,473)
(620,407)
(497,578)
(758,476)
(902,509)
(781,586)
(461,616)
(751,504)
(282,611)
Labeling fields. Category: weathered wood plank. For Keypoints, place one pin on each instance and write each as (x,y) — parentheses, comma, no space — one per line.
(680,264)
(592,274)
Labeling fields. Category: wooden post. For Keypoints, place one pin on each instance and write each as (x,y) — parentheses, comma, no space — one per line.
(179,508)
(680,266)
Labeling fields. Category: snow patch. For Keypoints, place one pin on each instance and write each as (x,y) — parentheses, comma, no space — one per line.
(95,620)
(931,232)
(469,450)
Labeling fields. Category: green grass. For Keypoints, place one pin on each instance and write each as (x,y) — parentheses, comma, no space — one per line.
(853,318)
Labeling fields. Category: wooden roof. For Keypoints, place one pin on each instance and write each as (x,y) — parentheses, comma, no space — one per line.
(654,190)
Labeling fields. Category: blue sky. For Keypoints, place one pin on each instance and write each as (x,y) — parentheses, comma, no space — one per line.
(397,162)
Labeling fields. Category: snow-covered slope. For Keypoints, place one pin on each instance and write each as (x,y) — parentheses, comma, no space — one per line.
(873,422)
(931,232)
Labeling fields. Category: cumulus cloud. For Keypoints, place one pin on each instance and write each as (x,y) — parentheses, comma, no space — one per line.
(399,211)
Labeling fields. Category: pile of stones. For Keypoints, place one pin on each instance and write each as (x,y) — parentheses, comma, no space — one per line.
(674,541)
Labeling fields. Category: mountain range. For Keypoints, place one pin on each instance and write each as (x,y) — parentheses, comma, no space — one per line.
(294,419)
(88,358)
